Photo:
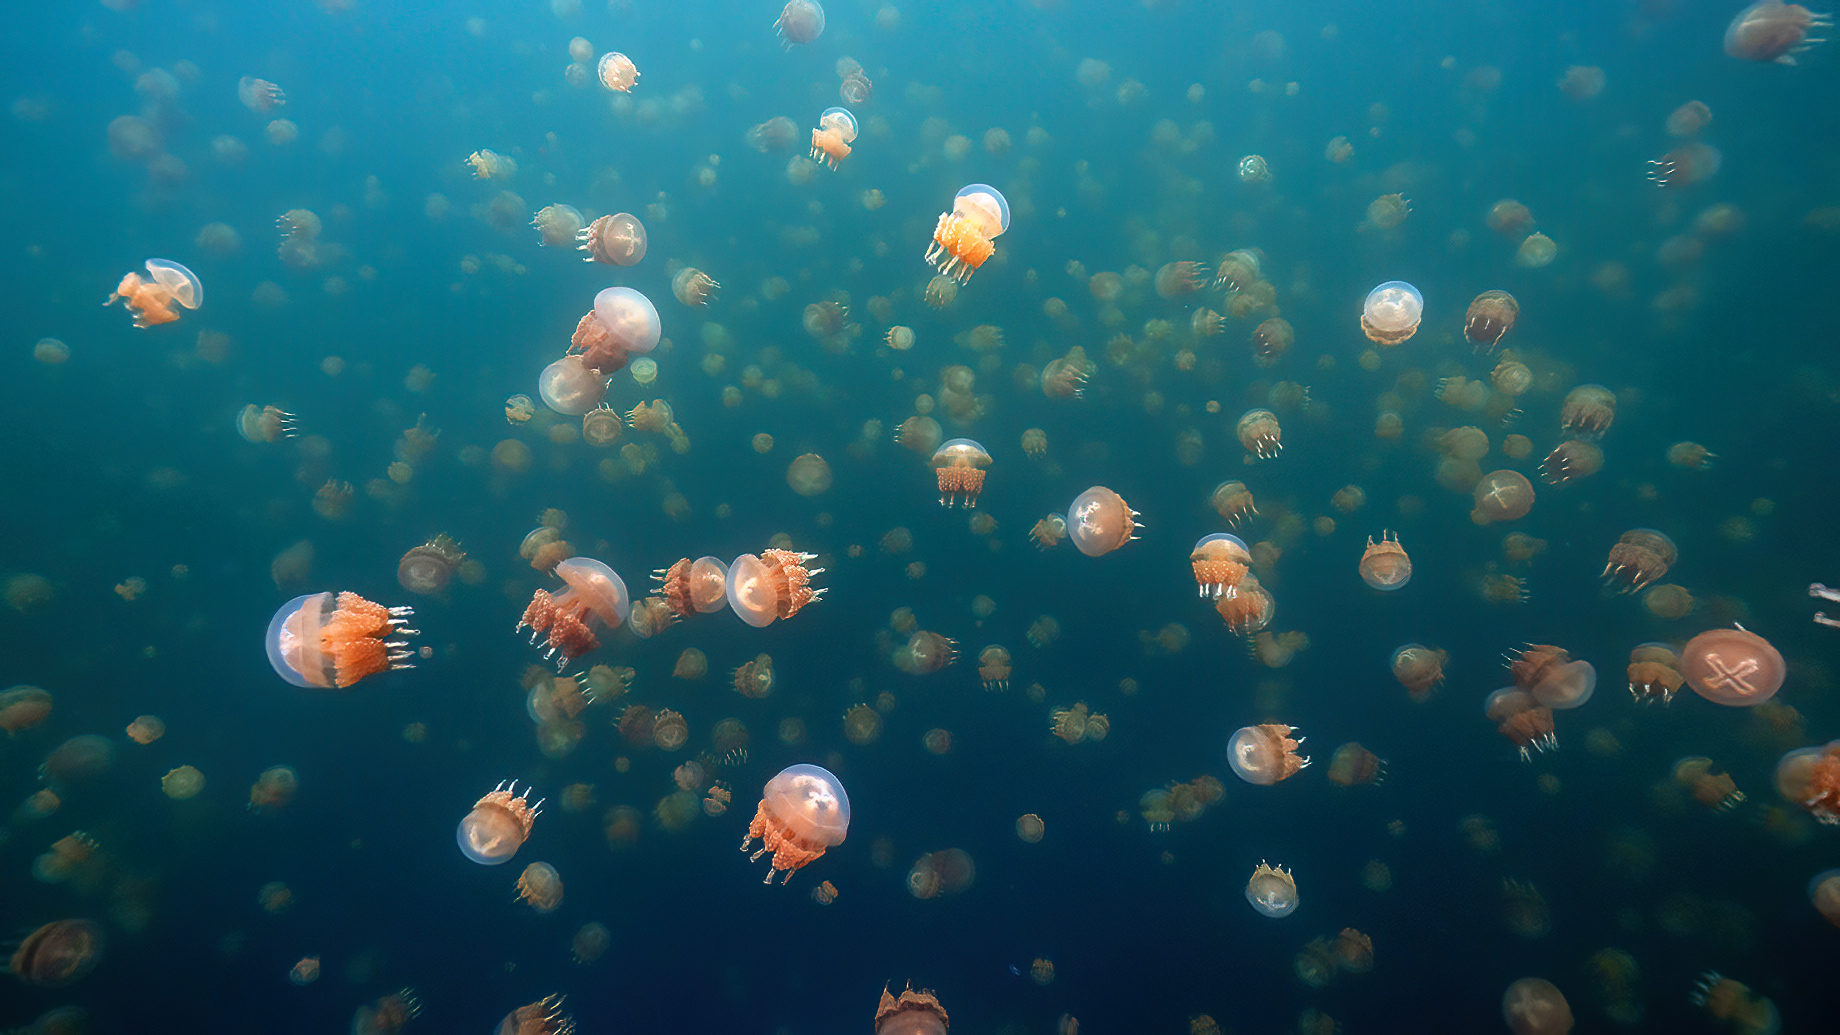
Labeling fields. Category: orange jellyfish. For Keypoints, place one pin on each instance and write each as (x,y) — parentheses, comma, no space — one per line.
(803,811)
(800,21)
(1502,496)
(1384,565)
(1177,279)
(498,825)
(1249,609)
(1049,531)
(1824,895)
(1266,754)
(1100,521)
(1419,669)
(1770,30)
(1271,340)
(1352,764)
(1490,316)
(1534,1006)
(1654,673)
(428,568)
(1810,777)
(1219,561)
(1571,460)
(1258,431)
(388,1015)
(959,465)
(617,71)
(1717,791)
(830,142)
(699,586)
(1640,556)
(1730,1001)
(1686,165)
(543,1017)
(617,240)
(910,1013)
(151,301)
(994,668)
(1732,666)
(58,954)
(540,886)
(312,642)
(961,241)
(1272,891)
(693,287)
(1588,412)
(776,584)
(595,595)
(1523,720)
(1233,501)
(925,652)
(1392,312)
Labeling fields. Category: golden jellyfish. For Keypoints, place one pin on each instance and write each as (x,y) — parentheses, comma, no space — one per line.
(1253,169)
(1716,791)
(800,21)
(1688,119)
(1266,754)
(1536,252)
(317,640)
(1810,777)
(590,943)
(1271,340)
(1387,211)
(1248,610)
(1502,496)
(803,811)
(1219,562)
(146,729)
(1384,565)
(962,239)
(1272,891)
(900,339)
(699,586)
(941,874)
(487,164)
(994,668)
(925,652)
(427,569)
(1570,461)
(305,972)
(541,887)
(259,95)
(910,1013)
(23,707)
(1534,1006)
(1419,669)
(1732,1002)
(1031,829)
(557,225)
(151,300)
(617,72)
(693,287)
(602,427)
(1491,315)
(809,475)
(58,954)
(1588,412)
(1099,521)
(755,678)
(182,783)
(1352,764)
(497,826)
(1770,30)
(1734,667)
(1691,456)
(1521,719)
(1260,434)
(830,142)
(1178,279)
(543,1017)
(1686,165)
(1640,556)
(519,409)
(775,584)
(596,595)
(1049,531)
(617,240)
(1232,501)
(265,423)
(1510,218)
(1238,269)
(959,464)
(1035,443)
(1654,673)
(274,789)
(1824,895)
(1392,312)
(388,1015)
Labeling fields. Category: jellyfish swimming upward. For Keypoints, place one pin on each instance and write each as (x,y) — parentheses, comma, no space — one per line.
(962,240)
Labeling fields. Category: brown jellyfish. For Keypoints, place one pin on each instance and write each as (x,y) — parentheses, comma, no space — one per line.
(1735,667)
(23,707)
(1524,721)
(1392,312)
(1100,521)
(1770,30)
(1384,565)
(1570,461)
(1419,669)
(1220,561)
(497,826)
(1588,412)
(1233,501)
(543,1017)
(925,652)
(1716,791)
(1490,316)
(1387,211)
(617,240)
(1510,219)
(1502,496)
(755,679)
(1049,531)
(1178,279)
(694,587)
(1352,764)
(274,789)
(1686,165)
(151,300)
(1534,1006)
(693,287)
(959,465)
(427,569)
(1810,777)
(388,1015)
(1731,1002)
(1654,673)
(994,668)
(1639,557)
(910,1013)
(58,954)
(540,886)
(1266,754)
(557,225)
(1271,340)
(1272,891)
(1065,378)
(596,595)
(1691,455)
(1248,610)
(1259,433)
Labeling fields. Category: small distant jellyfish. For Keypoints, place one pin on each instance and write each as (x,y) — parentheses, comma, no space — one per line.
(1035,443)
(497,826)
(144,730)
(1267,754)
(830,142)
(1534,1006)
(1238,269)
(543,1017)
(1260,434)
(590,943)
(1582,82)
(1272,891)
(693,287)
(617,240)
(773,585)
(1733,667)
(1770,30)
(602,427)
(490,165)
(1536,252)
(1686,165)
(1387,211)
(427,569)
(803,811)
(259,95)
(1524,721)
(1491,315)
(994,668)
(557,225)
(1247,611)
(1392,312)
(1654,673)
(182,783)
(1419,669)
(962,239)
(1352,764)
(1570,461)
(699,586)
(1564,685)
(274,789)
(959,464)
(1100,521)
(1824,895)
(1253,169)
(1233,501)
(800,21)
(900,339)
(305,972)
(596,595)
(261,424)
(1271,340)
(910,1013)
(1640,556)
(1691,456)
(519,409)
(151,300)
(58,954)
(1177,279)
(1588,412)
(617,72)
(1733,1003)
(317,640)
(1502,496)
(1384,565)
(389,1015)
(925,652)
(540,887)
(1048,532)
(1715,790)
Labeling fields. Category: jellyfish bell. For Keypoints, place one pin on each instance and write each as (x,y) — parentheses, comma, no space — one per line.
(1640,556)
(1686,165)
(1824,895)
(774,584)
(1265,755)
(1392,312)
(1733,667)
(151,300)
(800,22)
(1534,1006)
(1565,686)
(959,464)
(570,387)
(427,569)
(910,1013)
(498,824)
(595,595)
(1502,496)
(1100,521)
(1491,315)
(1272,891)
(319,640)
(617,72)
(1219,561)
(58,954)
(1384,566)
(630,318)
(1770,30)
(962,239)
(617,240)
(803,811)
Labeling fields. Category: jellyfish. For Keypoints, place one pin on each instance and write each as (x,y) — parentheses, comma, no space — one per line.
(1392,312)
(1735,667)
(259,95)
(1491,315)
(617,72)
(1654,673)
(1233,501)
(596,595)
(1266,754)
(1272,891)
(1258,431)
(1640,556)
(1824,895)
(570,387)
(1099,521)
(1238,269)
(1523,720)
(1564,685)
(1419,669)
(557,225)
(427,569)
(1048,532)
(489,165)
(541,887)
(265,423)
(910,1013)
(1570,461)
(1588,412)
(961,241)
(518,409)
(58,954)
(318,640)
(1731,1002)
(151,300)
(1770,30)
(1716,791)
(498,825)
(1686,165)
(1384,565)
(1810,777)
(800,21)
(1352,764)
(925,652)
(699,586)
(23,707)
(1178,279)
(617,240)
(830,142)
(543,1017)
(775,584)
(994,668)
(1248,610)
(388,1015)
(1253,169)
(803,811)
(959,464)
(1219,561)
(693,287)
(623,324)
(1534,1006)
(1502,496)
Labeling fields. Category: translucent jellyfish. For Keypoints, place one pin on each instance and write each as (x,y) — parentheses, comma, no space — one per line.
(617,240)
(1502,496)
(1536,252)
(602,426)
(1178,279)
(617,72)
(1582,82)
(274,789)
(959,464)
(1640,556)
(543,1017)
(910,1013)
(830,142)
(803,811)
(1714,790)
(1387,211)
(1260,434)
(557,225)
(1065,377)
(318,640)
(518,409)
(1031,829)
(1099,521)
(427,569)
(1732,666)
(540,886)
(1266,754)
(1232,501)
(1491,315)
(1534,1006)
(1220,561)
(699,586)
(23,707)
(800,21)
(1271,339)
(1688,119)
(900,339)
(1238,269)
(943,873)
(1392,312)
(925,652)
(1810,777)
(755,678)
(1272,891)
(775,584)
(569,386)
(182,783)
(1384,565)
(962,239)
(1352,764)
(259,95)
(498,825)
(487,165)
(1248,610)
(151,300)
(1686,165)
(1035,443)
(1048,532)
(1770,30)
(590,943)
(1824,895)
(1732,1003)
(1588,412)
(1654,673)
(693,287)
(146,729)
(1523,720)
(1691,456)
(1564,685)
(623,324)
(1570,461)
(264,423)
(58,954)
(596,595)
(1419,669)
(994,668)
(809,475)
(388,1015)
